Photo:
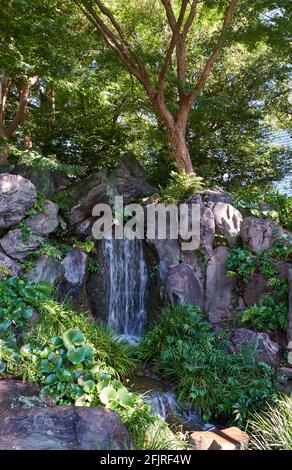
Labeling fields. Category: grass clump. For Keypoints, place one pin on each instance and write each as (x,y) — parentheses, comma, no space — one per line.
(272,429)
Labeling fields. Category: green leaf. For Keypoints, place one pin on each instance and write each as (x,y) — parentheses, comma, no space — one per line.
(73,337)
(107,395)
(76,356)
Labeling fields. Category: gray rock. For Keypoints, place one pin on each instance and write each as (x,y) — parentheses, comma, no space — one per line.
(216,195)
(40,427)
(9,267)
(75,267)
(259,234)
(255,287)
(83,195)
(17,246)
(266,349)
(72,285)
(129,179)
(283,380)
(220,288)
(47,269)
(17,196)
(228,221)
(183,285)
(45,222)
(45,180)
(207,225)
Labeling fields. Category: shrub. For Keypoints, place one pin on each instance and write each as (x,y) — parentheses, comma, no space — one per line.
(267,314)
(18,299)
(204,371)
(272,428)
(279,205)
(181,186)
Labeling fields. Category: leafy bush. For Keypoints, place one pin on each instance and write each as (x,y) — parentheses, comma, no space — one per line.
(279,205)
(18,299)
(204,371)
(267,314)
(272,428)
(39,162)
(181,186)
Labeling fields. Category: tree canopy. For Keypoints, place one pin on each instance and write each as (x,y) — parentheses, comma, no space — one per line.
(193,84)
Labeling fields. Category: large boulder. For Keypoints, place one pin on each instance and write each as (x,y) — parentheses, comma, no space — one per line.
(255,287)
(184,286)
(216,195)
(17,245)
(266,350)
(46,180)
(129,179)
(259,234)
(83,195)
(27,423)
(17,196)
(47,269)
(220,288)
(207,225)
(46,221)
(223,439)
(72,285)
(228,221)
(9,267)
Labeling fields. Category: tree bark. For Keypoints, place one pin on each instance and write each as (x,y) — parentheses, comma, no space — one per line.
(180,149)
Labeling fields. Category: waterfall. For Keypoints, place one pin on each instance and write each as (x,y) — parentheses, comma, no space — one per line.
(128,282)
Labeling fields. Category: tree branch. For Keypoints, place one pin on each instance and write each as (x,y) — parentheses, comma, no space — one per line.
(116,45)
(19,116)
(217,50)
(173,42)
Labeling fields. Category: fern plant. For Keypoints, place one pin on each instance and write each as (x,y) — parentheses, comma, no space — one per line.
(181,186)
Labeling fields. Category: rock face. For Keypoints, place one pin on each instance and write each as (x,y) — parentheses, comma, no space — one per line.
(267,350)
(40,427)
(17,196)
(216,195)
(259,234)
(129,179)
(207,225)
(72,285)
(17,246)
(219,287)
(9,267)
(46,221)
(255,287)
(225,439)
(83,195)
(283,380)
(228,221)
(47,269)
(45,180)
(183,285)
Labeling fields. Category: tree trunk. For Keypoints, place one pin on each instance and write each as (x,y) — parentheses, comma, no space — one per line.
(179,146)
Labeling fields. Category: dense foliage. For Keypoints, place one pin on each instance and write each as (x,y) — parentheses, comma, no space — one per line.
(271,311)
(73,359)
(204,371)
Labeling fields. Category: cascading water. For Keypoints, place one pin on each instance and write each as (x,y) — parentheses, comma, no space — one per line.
(127,290)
